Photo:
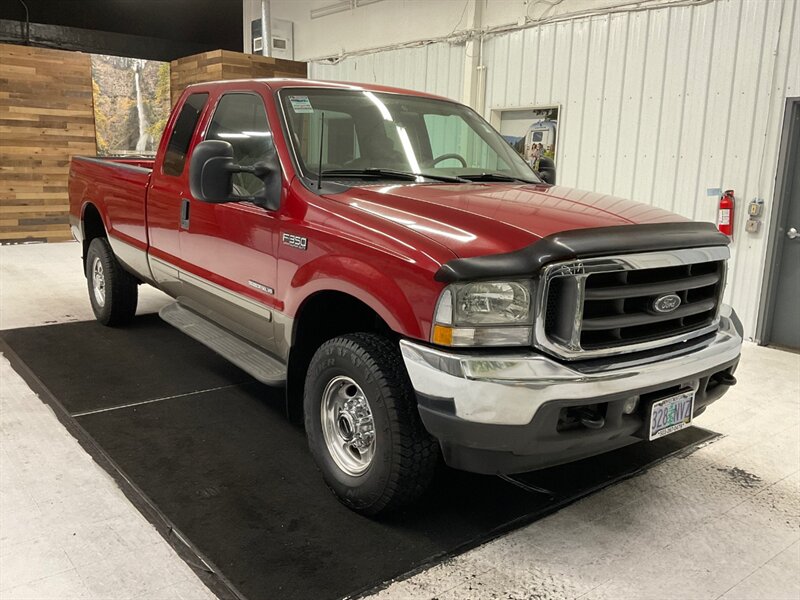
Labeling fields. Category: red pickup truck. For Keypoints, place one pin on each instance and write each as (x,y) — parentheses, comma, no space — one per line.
(415,286)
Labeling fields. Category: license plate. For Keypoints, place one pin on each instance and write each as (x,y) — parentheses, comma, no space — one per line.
(671,414)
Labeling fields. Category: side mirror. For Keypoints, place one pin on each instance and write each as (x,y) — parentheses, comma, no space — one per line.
(211,168)
(547,170)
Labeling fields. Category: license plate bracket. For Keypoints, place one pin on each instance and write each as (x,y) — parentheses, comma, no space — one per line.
(670,414)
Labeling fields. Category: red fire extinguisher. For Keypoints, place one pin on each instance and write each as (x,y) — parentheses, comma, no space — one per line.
(725,215)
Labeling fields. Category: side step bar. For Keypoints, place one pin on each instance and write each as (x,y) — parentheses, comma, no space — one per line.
(243,354)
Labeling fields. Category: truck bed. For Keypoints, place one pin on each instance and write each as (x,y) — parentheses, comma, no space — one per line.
(117,187)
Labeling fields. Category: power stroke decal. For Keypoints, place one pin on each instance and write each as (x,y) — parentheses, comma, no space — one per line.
(260,286)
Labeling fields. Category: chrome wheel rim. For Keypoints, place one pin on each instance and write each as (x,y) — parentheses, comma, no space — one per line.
(347,425)
(98,282)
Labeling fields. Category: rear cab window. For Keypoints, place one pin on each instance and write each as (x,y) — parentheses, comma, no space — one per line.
(181,137)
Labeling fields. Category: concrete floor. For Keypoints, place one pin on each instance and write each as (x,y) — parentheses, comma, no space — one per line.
(723,522)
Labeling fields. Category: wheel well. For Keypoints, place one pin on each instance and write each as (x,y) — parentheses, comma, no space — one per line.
(92,228)
(323,316)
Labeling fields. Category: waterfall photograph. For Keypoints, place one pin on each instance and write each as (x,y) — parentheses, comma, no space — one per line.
(131,104)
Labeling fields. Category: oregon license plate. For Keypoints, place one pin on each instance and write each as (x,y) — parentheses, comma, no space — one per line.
(671,414)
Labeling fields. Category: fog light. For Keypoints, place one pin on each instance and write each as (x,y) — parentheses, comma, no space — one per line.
(630,405)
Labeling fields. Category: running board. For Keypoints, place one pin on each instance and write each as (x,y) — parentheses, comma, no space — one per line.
(243,354)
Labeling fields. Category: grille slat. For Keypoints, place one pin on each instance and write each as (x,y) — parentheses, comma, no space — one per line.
(650,289)
(618,304)
(626,320)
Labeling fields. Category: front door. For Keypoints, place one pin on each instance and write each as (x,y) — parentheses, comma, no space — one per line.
(785,320)
(169,185)
(228,250)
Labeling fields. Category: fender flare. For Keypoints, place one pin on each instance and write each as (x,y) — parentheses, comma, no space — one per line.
(360,280)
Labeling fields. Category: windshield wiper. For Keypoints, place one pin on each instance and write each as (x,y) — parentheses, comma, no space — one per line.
(495,177)
(389,174)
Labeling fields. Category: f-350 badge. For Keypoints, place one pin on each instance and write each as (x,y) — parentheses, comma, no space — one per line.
(295,241)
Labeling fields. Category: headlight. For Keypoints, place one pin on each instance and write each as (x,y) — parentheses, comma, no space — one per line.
(492,303)
(484,313)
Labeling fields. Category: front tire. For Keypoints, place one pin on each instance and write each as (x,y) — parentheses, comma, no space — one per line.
(113,292)
(363,427)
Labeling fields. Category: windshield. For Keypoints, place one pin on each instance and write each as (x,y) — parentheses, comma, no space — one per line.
(380,135)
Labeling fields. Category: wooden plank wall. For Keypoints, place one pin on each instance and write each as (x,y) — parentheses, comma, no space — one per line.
(223,64)
(45,118)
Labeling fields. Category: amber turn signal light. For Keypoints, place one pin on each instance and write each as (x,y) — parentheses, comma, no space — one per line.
(442,335)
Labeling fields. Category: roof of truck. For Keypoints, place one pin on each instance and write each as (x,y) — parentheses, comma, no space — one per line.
(277,83)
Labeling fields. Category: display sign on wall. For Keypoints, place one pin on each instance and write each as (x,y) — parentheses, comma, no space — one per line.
(131,104)
(532,132)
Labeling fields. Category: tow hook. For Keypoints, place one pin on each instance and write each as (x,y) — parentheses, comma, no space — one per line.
(591,419)
(724,378)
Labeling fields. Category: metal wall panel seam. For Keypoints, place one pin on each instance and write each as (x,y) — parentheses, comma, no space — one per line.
(602,103)
(629,118)
(687,192)
(784,87)
(683,110)
(553,29)
(743,247)
(534,99)
(684,102)
(739,266)
(573,124)
(641,96)
(619,103)
(659,108)
(581,131)
(706,103)
(733,79)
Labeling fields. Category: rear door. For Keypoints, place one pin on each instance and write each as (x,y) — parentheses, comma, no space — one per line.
(228,250)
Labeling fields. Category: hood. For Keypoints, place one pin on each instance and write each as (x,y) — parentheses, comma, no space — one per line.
(480,219)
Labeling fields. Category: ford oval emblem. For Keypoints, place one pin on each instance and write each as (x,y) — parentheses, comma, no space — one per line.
(666,303)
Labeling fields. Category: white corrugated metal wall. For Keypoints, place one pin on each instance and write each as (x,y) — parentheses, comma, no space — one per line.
(657,106)
(434,68)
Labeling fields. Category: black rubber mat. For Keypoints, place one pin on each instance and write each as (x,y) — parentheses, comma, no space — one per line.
(210,448)
(89,367)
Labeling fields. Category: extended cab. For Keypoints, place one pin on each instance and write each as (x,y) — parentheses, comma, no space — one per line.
(417,289)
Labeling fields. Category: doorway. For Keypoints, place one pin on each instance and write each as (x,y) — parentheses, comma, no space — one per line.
(780,322)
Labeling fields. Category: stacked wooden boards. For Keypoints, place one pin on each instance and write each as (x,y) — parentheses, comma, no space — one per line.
(45,118)
(224,64)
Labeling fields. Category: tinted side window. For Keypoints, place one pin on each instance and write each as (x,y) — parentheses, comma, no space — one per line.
(449,132)
(241,120)
(175,157)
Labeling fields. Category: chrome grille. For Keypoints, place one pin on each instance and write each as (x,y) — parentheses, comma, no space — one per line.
(606,305)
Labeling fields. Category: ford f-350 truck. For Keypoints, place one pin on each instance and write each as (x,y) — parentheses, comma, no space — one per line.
(420,293)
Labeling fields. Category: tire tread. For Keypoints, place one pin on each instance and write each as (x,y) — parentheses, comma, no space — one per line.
(122,289)
(416,452)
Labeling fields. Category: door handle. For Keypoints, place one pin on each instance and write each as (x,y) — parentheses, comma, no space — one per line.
(792,233)
(184,213)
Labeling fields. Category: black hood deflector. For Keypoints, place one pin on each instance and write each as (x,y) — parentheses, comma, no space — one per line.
(583,243)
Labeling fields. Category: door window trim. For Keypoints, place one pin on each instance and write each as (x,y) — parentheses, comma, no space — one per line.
(202,136)
(217,102)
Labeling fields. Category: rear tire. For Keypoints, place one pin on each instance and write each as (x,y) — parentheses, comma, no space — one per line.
(363,427)
(113,292)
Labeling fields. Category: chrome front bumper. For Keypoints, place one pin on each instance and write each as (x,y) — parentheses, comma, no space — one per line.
(508,389)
